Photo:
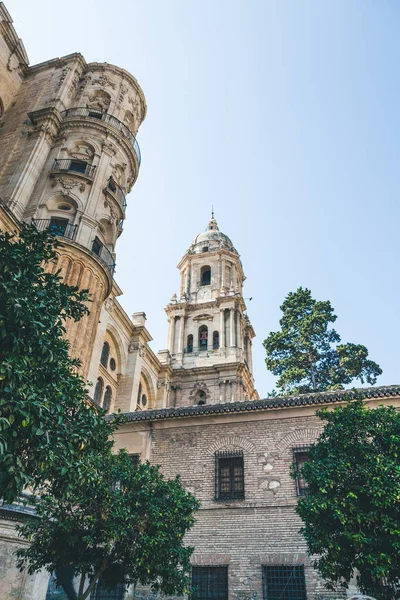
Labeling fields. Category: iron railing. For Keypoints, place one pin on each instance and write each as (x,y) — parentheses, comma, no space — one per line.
(104,254)
(77,166)
(56,227)
(116,191)
(92,113)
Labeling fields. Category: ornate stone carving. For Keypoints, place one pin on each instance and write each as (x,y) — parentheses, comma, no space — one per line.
(68,183)
(109,305)
(122,91)
(104,82)
(64,74)
(137,347)
(12,63)
(199,386)
(135,103)
(74,84)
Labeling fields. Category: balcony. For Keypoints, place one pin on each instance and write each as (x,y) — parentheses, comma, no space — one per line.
(99,115)
(55,226)
(61,227)
(75,166)
(116,192)
(104,254)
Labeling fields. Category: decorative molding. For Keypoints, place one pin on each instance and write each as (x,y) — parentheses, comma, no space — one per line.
(203,317)
(104,82)
(137,347)
(68,183)
(232,441)
(298,435)
(109,305)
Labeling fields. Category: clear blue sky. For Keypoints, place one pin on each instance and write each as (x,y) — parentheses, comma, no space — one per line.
(285,116)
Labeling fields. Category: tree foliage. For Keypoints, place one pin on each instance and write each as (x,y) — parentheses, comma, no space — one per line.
(124,523)
(351,513)
(307,354)
(47,427)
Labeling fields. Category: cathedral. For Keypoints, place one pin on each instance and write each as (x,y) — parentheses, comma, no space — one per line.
(69,155)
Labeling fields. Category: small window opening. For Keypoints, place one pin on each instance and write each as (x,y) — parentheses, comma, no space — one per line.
(201,397)
(98,391)
(144,400)
(113,364)
(215,340)
(300,457)
(97,246)
(105,354)
(79,166)
(107,399)
(58,226)
(203,337)
(190,343)
(205,275)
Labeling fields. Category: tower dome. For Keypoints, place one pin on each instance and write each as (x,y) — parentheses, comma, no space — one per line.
(211,239)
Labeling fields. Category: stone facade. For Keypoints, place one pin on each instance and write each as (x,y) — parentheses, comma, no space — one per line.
(68,157)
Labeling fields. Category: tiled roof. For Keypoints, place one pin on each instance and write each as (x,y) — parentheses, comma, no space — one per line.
(266,404)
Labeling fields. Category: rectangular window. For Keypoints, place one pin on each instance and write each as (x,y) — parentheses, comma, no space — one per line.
(209,583)
(135,459)
(284,582)
(58,226)
(100,592)
(300,456)
(229,475)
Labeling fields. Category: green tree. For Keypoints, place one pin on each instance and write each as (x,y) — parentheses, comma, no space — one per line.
(47,426)
(306,353)
(123,523)
(351,513)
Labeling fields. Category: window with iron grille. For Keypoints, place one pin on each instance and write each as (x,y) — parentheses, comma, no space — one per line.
(229,475)
(300,456)
(100,592)
(209,583)
(135,459)
(284,582)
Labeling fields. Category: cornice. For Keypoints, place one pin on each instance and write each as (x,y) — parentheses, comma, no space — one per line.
(316,399)
(95,66)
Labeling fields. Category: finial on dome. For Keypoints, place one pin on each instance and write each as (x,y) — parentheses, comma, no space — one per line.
(212,224)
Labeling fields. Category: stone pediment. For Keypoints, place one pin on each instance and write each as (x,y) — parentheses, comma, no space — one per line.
(203,317)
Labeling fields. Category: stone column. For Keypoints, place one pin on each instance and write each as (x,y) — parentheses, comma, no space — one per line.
(181,334)
(239,331)
(232,317)
(223,274)
(222,328)
(171,332)
(250,359)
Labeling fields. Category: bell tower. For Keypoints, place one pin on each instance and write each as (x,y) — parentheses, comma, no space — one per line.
(210,335)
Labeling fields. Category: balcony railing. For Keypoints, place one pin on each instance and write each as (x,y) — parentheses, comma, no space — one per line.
(197,350)
(77,166)
(92,113)
(104,254)
(59,227)
(116,191)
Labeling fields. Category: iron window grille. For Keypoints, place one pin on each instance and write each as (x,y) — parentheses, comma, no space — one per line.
(135,459)
(300,456)
(100,592)
(284,582)
(229,475)
(209,583)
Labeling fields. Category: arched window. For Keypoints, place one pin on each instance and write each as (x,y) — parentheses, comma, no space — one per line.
(215,340)
(190,343)
(105,354)
(144,400)
(98,391)
(200,397)
(107,398)
(205,278)
(203,337)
